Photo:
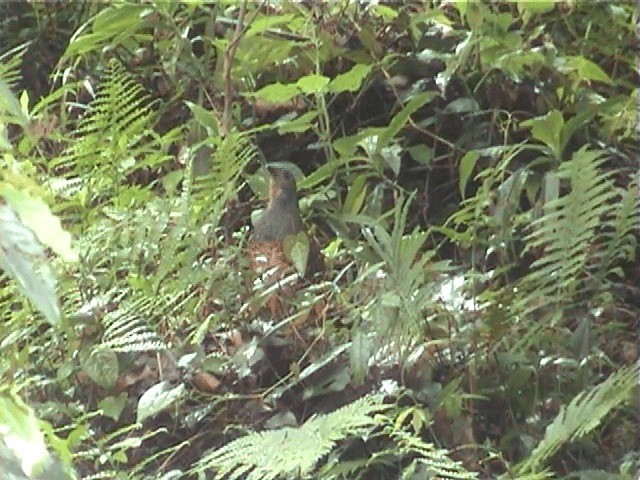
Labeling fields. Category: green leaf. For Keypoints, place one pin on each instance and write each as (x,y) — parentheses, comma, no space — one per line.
(313,83)
(392,158)
(102,367)
(10,105)
(462,105)
(391,300)
(548,130)
(112,407)
(359,356)
(276,92)
(296,248)
(157,398)
(119,18)
(22,436)
(421,154)
(387,13)
(205,117)
(300,124)
(22,256)
(467,164)
(350,81)
(402,117)
(588,70)
(265,23)
(537,6)
(356,195)
(37,216)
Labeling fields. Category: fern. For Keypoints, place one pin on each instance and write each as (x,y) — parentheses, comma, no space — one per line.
(115,136)
(429,461)
(621,241)
(213,190)
(126,329)
(407,270)
(10,65)
(291,451)
(583,414)
(569,232)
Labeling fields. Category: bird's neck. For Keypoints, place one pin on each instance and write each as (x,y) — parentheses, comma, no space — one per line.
(284,203)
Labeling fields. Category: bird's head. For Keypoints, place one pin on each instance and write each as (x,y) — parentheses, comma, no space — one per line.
(282,186)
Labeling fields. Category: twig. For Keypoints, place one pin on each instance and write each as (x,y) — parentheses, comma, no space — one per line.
(228,61)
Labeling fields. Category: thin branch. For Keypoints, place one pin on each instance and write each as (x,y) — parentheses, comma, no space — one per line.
(229,54)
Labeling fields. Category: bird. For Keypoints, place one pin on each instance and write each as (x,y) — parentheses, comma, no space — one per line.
(282,216)
(278,223)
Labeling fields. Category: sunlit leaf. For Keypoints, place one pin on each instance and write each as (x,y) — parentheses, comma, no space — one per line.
(350,81)
(157,398)
(22,435)
(300,124)
(312,83)
(296,247)
(588,70)
(548,130)
(277,92)
(23,257)
(467,164)
(37,216)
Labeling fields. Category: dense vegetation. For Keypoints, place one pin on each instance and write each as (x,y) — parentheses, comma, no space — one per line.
(469,169)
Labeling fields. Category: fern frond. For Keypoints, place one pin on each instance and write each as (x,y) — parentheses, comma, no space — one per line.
(621,240)
(115,136)
(10,65)
(291,451)
(212,191)
(428,458)
(569,231)
(127,330)
(583,414)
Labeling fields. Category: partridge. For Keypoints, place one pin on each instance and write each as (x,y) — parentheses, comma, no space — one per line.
(280,221)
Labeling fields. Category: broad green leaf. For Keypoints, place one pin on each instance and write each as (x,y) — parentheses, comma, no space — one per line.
(387,13)
(205,117)
(157,398)
(277,92)
(83,44)
(313,83)
(296,247)
(112,406)
(102,367)
(391,300)
(536,6)
(548,130)
(421,154)
(462,105)
(467,164)
(350,81)
(476,14)
(264,23)
(22,257)
(300,124)
(119,18)
(22,435)
(402,117)
(37,216)
(588,70)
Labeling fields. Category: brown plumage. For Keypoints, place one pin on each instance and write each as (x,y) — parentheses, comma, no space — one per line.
(280,219)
